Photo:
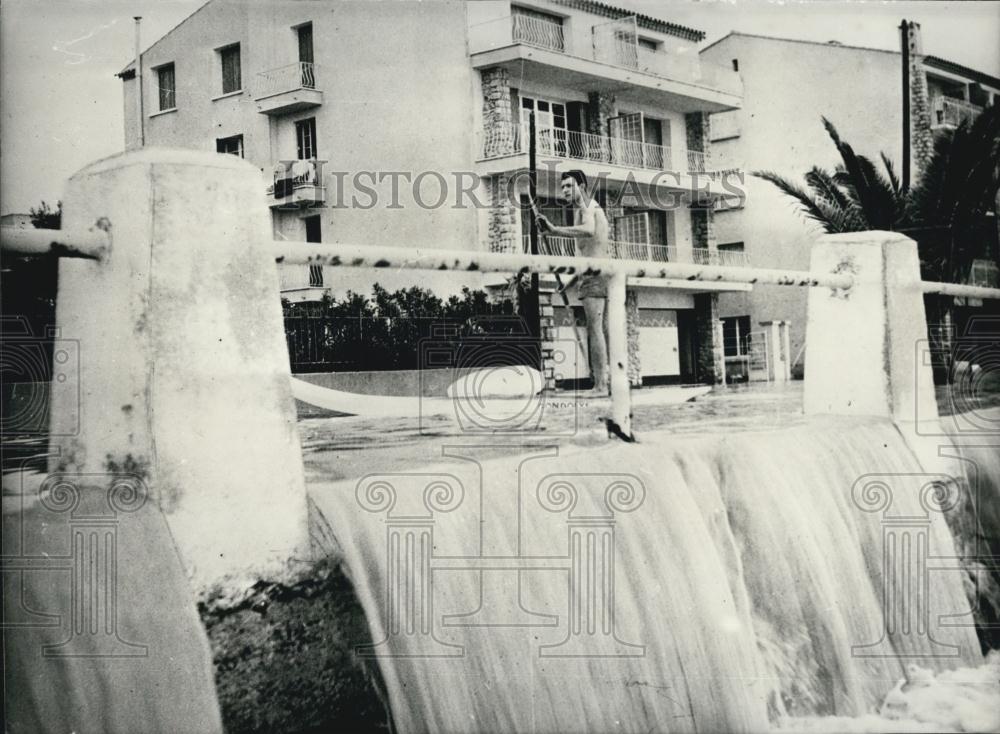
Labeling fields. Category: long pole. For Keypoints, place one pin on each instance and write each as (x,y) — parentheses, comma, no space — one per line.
(904,40)
(138,79)
(530,309)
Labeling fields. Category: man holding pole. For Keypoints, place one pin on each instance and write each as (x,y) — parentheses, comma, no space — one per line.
(590,229)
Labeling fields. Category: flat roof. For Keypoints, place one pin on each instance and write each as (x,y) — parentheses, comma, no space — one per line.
(934,62)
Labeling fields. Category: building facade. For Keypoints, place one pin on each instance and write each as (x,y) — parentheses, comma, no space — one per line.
(788,86)
(408,124)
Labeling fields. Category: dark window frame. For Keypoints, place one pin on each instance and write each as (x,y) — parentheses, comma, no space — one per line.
(306,148)
(166,93)
(222,145)
(231,75)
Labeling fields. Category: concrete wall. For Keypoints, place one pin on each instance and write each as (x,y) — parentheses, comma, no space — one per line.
(788,86)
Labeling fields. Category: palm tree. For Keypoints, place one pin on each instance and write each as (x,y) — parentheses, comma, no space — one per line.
(945,212)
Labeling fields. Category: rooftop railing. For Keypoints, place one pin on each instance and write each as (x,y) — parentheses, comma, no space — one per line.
(618,48)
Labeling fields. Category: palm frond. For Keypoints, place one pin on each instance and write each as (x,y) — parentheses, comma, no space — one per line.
(815,208)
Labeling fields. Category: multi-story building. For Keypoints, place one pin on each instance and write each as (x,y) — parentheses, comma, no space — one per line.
(789,85)
(407,124)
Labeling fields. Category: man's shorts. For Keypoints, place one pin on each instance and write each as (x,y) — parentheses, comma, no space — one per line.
(592,286)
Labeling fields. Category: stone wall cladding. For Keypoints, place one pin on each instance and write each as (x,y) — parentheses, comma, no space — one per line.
(600,107)
(504,219)
(498,140)
(921,135)
(710,357)
(498,121)
(632,334)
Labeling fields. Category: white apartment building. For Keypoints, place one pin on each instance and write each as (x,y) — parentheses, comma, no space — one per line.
(383,123)
(789,85)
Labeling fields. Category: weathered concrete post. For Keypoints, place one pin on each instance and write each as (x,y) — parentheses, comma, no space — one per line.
(867,344)
(621,401)
(183,373)
(778,359)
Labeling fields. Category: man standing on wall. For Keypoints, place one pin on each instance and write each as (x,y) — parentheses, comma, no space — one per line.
(590,229)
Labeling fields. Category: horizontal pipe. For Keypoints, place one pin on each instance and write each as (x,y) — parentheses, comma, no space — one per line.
(956,289)
(367,256)
(60,243)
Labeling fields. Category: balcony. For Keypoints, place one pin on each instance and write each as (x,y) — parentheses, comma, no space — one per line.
(643,252)
(947,113)
(296,186)
(287,89)
(505,148)
(300,283)
(604,57)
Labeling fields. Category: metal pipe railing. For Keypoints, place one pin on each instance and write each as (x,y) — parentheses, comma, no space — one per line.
(959,290)
(89,245)
(311,253)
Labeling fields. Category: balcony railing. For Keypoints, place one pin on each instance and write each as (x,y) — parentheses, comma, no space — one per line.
(538,32)
(617,47)
(502,140)
(300,277)
(300,75)
(298,184)
(949,112)
(644,252)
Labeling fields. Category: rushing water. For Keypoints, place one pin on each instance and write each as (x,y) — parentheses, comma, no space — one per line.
(726,582)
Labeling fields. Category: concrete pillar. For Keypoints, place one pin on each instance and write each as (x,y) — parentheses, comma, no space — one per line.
(621,403)
(868,347)
(778,351)
(183,375)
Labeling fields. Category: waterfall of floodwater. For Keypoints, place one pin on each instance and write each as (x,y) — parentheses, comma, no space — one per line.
(684,583)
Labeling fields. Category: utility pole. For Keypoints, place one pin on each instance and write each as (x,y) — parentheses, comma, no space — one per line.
(904,40)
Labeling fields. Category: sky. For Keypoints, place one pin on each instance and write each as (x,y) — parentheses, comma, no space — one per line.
(61,105)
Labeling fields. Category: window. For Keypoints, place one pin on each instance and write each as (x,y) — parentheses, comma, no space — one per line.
(731,247)
(314,234)
(305,34)
(736,64)
(166,83)
(230,57)
(550,124)
(649,44)
(305,135)
(232,145)
(734,335)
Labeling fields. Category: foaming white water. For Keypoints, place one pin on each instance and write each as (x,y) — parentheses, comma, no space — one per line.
(747,582)
(963,700)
